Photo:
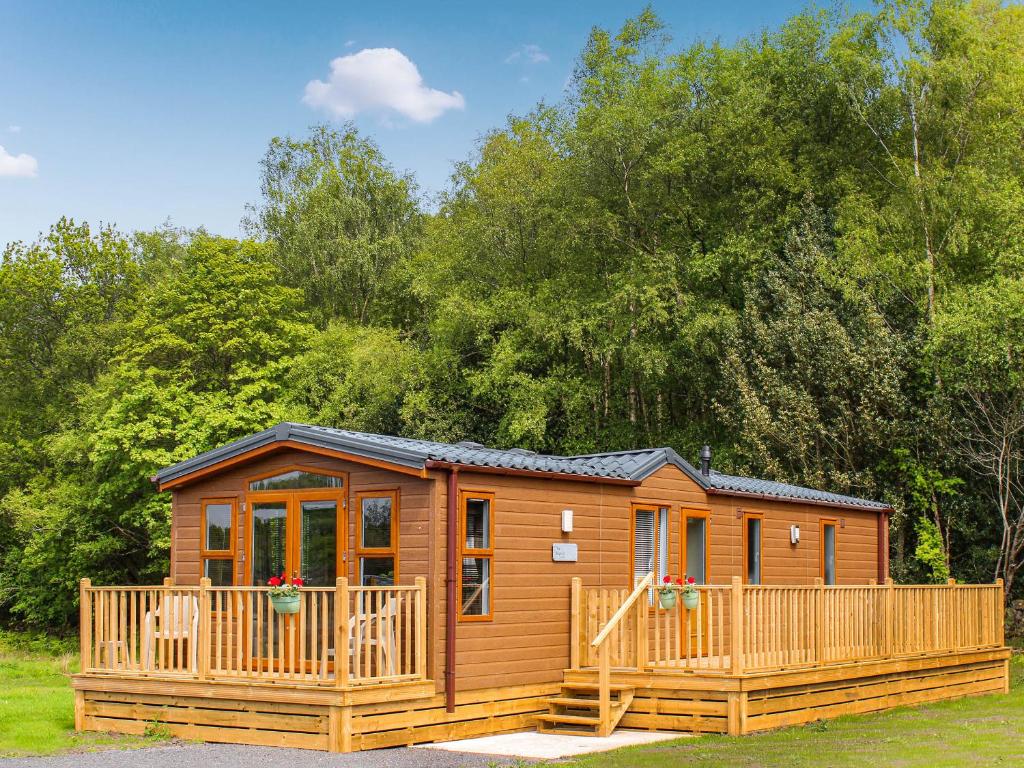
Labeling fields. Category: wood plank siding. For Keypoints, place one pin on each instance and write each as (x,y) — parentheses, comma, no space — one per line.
(526,642)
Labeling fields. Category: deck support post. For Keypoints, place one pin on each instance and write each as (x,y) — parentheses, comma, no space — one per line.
(203,641)
(736,649)
(574,622)
(339,729)
(85,623)
(890,607)
(421,628)
(604,681)
(736,713)
(819,620)
(642,642)
(341,638)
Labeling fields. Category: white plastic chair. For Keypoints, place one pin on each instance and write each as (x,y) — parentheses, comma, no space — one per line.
(389,650)
(177,618)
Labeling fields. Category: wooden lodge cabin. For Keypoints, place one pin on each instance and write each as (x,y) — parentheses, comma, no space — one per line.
(458,590)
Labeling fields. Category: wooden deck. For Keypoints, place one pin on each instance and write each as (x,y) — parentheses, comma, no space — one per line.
(756,657)
(349,670)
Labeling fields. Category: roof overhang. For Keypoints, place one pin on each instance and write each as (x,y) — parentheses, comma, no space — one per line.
(881,510)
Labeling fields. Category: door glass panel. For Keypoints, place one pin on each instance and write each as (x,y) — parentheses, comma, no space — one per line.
(269,539)
(753,550)
(318,547)
(830,554)
(376,516)
(377,571)
(218,572)
(696,542)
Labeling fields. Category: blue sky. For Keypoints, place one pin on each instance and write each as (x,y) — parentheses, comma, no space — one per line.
(134,113)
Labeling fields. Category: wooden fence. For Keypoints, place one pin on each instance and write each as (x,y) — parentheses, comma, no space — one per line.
(746,628)
(340,636)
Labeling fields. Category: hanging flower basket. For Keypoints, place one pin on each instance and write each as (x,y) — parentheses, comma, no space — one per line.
(691,597)
(667,598)
(284,596)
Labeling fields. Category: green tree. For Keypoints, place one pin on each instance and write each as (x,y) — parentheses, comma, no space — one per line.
(342,224)
(204,361)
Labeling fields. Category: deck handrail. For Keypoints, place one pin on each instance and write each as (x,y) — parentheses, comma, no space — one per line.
(645,584)
(340,636)
(739,628)
(600,643)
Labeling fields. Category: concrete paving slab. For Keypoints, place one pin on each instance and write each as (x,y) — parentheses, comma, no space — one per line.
(550,746)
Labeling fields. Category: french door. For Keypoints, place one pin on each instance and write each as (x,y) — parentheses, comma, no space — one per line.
(298,534)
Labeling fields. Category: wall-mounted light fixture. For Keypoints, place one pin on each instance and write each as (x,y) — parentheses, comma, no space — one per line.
(794,534)
(566,521)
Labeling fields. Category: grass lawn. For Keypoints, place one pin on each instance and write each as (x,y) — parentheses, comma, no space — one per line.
(975,732)
(36,717)
(36,704)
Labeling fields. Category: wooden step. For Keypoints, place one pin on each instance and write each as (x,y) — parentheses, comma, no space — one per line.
(580,698)
(574,703)
(597,688)
(573,719)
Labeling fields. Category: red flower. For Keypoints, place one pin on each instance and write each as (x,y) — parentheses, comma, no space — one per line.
(274,581)
(667,580)
(691,580)
(679,582)
(298,582)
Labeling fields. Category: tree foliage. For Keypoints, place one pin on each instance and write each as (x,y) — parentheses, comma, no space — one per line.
(804,248)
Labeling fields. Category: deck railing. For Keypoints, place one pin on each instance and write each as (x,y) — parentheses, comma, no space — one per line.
(341,636)
(746,628)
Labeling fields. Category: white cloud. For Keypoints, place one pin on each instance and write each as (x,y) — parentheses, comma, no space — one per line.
(14,128)
(530,52)
(349,43)
(379,80)
(17,165)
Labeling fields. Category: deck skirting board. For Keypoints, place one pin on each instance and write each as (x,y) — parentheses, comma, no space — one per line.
(669,701)
(401,715)
(396,716)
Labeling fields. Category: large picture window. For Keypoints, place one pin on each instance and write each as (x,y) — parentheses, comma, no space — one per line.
(377,538)
(218,541)
(650,545)
(476,544)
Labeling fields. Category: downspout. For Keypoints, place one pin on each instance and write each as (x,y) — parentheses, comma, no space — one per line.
(883,547)
(451,608)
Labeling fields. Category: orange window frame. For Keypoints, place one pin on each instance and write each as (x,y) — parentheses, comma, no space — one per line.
(392,550)
(684,516)
(656,508)
(485,553)
(747,517)
(218,554)
(823,523)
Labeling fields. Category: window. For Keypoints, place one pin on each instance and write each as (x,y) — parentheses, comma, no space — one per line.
(650,545)
(377,538)
(218,541)
(695,546)
(828,551)
(476,515)
(296,479)
(752,524)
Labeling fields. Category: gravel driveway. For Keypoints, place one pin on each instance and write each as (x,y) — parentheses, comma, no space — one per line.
(232,756)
